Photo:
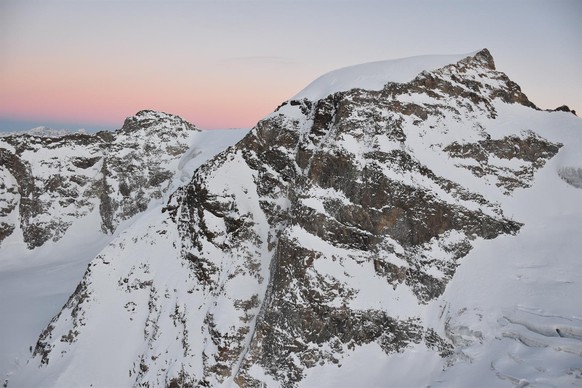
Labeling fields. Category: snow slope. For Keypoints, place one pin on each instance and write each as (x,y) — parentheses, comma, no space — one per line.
(35,284)
(375,75)
(512,309)
(514,306)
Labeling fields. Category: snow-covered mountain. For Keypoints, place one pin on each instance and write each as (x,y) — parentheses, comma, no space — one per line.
(51,181)
(65,196)
(403,223)
(43,131)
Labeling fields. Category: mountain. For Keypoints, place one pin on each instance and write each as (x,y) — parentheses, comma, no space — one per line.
(53,180)
(43,131)
(65,196)
(403,223)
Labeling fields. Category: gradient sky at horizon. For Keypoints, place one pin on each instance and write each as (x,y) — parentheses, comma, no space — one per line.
(223,64)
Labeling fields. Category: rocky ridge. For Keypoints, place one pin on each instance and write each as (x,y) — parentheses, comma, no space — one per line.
(332,227)
(48,181)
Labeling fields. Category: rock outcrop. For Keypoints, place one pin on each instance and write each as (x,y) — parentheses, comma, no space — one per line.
(47,182)
(564,108)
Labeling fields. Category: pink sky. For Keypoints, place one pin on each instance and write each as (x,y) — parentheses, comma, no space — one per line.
(214,100)
(227,64)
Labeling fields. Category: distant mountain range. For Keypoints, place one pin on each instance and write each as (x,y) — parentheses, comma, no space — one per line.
(43,132)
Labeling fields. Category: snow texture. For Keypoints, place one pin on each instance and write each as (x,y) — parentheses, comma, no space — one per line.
(35,284)
(375,75)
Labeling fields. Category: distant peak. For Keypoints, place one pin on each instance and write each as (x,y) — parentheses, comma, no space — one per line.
(150,118)
(43,131)
(148,114)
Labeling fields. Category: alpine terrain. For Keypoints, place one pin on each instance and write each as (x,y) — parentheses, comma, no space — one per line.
(413,222)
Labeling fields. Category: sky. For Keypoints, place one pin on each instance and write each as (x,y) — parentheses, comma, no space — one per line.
(226,64)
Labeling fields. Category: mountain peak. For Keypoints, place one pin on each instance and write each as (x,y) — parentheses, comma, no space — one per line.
(483,58)
(375,75)
(156,120)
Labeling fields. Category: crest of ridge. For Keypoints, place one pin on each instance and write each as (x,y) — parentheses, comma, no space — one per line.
(374,75)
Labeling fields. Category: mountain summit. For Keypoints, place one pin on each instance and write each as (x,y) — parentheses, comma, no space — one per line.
(375,75)
(49,182)
(402,223)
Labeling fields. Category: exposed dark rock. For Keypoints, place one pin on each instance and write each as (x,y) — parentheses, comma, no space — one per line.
(5,230)
(85,162)
(528,148)
(375,213)
(564,108)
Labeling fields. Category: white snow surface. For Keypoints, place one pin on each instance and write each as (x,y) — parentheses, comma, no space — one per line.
(35,284)
(514,304)
(513,307)
(375,75)
(44,132)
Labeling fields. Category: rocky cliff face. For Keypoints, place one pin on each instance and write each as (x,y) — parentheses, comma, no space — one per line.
(330,230)
(47,182)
